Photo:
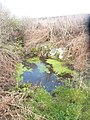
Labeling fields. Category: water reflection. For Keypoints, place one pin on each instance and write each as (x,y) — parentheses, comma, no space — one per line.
(41,77)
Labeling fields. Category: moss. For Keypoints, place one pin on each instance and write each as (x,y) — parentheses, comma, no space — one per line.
(58,67)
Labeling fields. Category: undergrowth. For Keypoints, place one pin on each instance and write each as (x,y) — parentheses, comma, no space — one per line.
(64,103)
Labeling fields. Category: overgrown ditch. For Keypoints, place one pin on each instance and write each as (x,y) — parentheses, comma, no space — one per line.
(46,71)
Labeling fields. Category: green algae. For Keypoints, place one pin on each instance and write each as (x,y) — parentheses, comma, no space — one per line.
(59,68)
(20,69)
(42,68)
(33,60)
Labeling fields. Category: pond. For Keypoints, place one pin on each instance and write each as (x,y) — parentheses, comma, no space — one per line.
(42,73)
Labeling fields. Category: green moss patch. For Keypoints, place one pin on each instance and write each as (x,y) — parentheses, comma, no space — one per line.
(59,68)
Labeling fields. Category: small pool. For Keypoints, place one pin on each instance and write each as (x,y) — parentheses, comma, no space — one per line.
(40,76)
(43,73)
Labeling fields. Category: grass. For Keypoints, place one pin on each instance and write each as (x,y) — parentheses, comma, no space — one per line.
(35,103)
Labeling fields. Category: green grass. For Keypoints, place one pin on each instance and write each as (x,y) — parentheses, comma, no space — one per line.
(65,103)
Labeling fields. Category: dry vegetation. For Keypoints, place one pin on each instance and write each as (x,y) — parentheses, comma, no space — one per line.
(36,37)
(10,32)
(12,107)
(68,31)
(77,51)
(8,61)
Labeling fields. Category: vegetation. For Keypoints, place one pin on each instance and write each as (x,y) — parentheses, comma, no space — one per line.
(21,38)
(58,67)
(34,103)
(20,70)
(33,60)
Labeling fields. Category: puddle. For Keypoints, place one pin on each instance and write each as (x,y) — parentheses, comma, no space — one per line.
(40,75)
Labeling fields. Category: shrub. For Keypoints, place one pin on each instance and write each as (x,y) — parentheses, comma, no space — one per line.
(10,27)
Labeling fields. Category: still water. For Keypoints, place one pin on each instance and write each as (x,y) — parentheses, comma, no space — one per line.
(40,76)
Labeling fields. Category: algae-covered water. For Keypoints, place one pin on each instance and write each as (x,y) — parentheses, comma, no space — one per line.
(45,74)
